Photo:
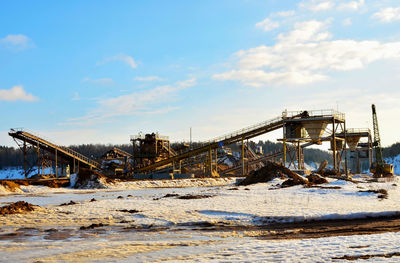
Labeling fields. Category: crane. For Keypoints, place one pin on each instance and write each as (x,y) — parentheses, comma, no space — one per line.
(379,167)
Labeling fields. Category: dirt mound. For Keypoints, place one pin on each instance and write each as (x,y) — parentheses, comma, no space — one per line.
(271,171)
(17,208)
(316,179)
(10,185)
(190,196)
(92,179)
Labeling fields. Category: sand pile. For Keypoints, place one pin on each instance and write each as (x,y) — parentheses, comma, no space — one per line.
(10,186)
(91,179)
(17,208)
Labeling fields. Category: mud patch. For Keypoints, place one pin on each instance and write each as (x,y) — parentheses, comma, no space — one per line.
(19,207)
(59,235)
(92,226)
(368,256)
(132,211)
(70,203)
(382,193)
(190,196)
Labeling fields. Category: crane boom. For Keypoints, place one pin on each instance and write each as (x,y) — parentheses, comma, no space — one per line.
(377,138)
(379,168)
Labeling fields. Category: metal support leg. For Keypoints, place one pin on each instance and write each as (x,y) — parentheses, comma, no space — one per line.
(334,145)
(345,152)
(243,172)
(24,150)
(56,164)
(216,159)
(38,159)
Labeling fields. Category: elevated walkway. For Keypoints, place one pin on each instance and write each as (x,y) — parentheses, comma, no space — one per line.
(237,136)
(61,151)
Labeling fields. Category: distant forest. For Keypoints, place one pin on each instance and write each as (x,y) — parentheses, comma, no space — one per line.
(10,156)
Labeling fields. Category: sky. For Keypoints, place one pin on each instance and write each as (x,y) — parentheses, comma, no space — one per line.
(100,71)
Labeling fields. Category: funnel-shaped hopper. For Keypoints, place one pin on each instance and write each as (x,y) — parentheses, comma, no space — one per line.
(315,129)
(352,142)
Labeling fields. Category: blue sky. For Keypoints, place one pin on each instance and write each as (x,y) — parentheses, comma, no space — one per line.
(99,71)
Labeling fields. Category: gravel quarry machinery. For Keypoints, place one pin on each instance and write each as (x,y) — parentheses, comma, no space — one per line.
(379,168)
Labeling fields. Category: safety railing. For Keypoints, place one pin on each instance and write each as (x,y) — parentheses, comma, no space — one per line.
(315,113)
(358,130)
(35,135)
(244,130)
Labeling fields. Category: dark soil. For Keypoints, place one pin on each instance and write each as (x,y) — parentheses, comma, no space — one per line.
(382,193)
(17,208)
(316,179)
(132,211)
(368,256)
(170,195)
(70,203)
(189,196)
(271,171)
(92,226)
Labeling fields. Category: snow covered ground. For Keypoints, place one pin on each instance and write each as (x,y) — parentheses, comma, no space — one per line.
(52,233)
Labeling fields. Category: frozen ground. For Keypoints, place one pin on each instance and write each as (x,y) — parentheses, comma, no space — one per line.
(141,224)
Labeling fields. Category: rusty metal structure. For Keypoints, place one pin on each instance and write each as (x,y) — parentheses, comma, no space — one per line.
(304,128)
(116,162)
(359,147)
(153,153)
(149,149)
(61,156)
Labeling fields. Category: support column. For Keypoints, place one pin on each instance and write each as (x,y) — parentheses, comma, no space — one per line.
(56,164)
(210,161)
(216,159)
(345,151)
(370,150)
(298,156)
(334,144)
(243,172)
(26,175)
(38,159)
(74,166)
(284,145)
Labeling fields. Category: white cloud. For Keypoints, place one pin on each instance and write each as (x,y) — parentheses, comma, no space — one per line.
(18,42)
(267,24)
(101,81)
(148,78)
(16,93)
(347,22)
(351,5)
(143,102)
(128,60)
(284,13)
(388,14)
(317,5)
(305,55)
(307,31)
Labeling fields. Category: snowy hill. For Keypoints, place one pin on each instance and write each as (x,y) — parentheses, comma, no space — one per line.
(396,163)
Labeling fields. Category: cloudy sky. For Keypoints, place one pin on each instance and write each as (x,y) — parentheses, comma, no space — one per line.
(99,71)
